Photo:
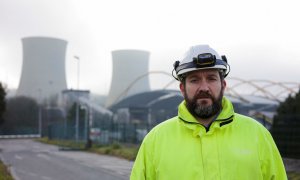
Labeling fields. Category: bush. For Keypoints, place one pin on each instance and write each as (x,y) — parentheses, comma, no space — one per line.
(4,172)
(285,130)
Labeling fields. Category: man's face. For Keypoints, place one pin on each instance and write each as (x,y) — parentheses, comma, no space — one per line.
(203,91)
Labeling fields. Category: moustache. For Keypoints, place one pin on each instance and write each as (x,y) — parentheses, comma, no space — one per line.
(203,94)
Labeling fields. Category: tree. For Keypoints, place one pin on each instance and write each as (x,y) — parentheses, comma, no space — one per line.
(21,116)
(72,113)
(2,103)
(286,127)
(71,117)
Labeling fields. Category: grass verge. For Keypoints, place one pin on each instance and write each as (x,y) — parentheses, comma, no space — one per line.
(293,175)
(4,172)
(125,151)
(64,143)
(120,150)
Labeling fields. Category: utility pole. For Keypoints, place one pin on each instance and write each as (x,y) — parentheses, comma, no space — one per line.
(40,111)
(77,102)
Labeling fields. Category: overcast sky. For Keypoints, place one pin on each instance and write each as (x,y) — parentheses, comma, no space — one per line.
(259,37)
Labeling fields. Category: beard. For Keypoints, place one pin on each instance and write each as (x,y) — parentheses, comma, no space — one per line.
(200,109)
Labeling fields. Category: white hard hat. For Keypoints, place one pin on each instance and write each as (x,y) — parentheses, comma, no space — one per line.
(200,57)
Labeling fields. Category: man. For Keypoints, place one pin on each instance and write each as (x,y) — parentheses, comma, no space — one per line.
(207,140)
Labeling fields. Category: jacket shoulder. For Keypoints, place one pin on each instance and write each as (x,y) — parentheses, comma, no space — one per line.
(249,123)
(167,124)
(162,128)
(246,119)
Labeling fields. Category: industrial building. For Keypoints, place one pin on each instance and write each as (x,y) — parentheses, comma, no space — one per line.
(129,68)
(43,71)
(131,107)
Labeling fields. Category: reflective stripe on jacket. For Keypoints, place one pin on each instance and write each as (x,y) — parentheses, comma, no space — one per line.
(234,147)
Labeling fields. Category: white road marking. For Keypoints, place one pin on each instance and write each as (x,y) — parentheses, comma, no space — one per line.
(46,178)
(18,157)
(43,156)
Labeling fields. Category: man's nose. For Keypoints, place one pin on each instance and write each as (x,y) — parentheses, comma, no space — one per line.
(203,86)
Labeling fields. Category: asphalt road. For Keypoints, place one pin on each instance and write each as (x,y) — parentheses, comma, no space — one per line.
(30,160)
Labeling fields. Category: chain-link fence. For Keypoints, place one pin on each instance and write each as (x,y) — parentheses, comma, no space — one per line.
(131,125)
(103,132)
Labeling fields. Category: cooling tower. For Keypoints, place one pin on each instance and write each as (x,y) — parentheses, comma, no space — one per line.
(43,70)
(128,68)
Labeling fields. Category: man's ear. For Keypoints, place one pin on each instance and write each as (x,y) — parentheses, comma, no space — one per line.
(181,86)
(224,84)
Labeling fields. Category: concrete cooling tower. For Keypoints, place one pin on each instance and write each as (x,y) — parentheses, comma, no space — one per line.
(128,66)
(43,71)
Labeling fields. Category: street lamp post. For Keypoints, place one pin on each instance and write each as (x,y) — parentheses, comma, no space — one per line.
(78,63)
(77,102)
(40,111)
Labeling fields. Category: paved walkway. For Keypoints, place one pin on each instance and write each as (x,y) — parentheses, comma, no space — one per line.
(30,160)
(110,163)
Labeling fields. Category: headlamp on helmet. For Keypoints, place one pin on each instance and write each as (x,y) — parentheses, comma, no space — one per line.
(204,60)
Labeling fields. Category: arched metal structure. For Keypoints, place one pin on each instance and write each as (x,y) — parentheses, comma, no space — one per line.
(272,90)
(276,91)
(125,92)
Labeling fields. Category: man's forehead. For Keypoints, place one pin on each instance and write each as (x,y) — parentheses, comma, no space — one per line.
(203,72)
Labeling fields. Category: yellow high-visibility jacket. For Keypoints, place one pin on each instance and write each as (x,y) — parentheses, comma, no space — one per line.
(234,147)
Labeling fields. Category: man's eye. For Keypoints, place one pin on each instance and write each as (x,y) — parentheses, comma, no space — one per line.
(212,78)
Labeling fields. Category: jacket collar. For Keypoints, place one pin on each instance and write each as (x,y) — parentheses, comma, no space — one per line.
(226,113)
(189,121)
